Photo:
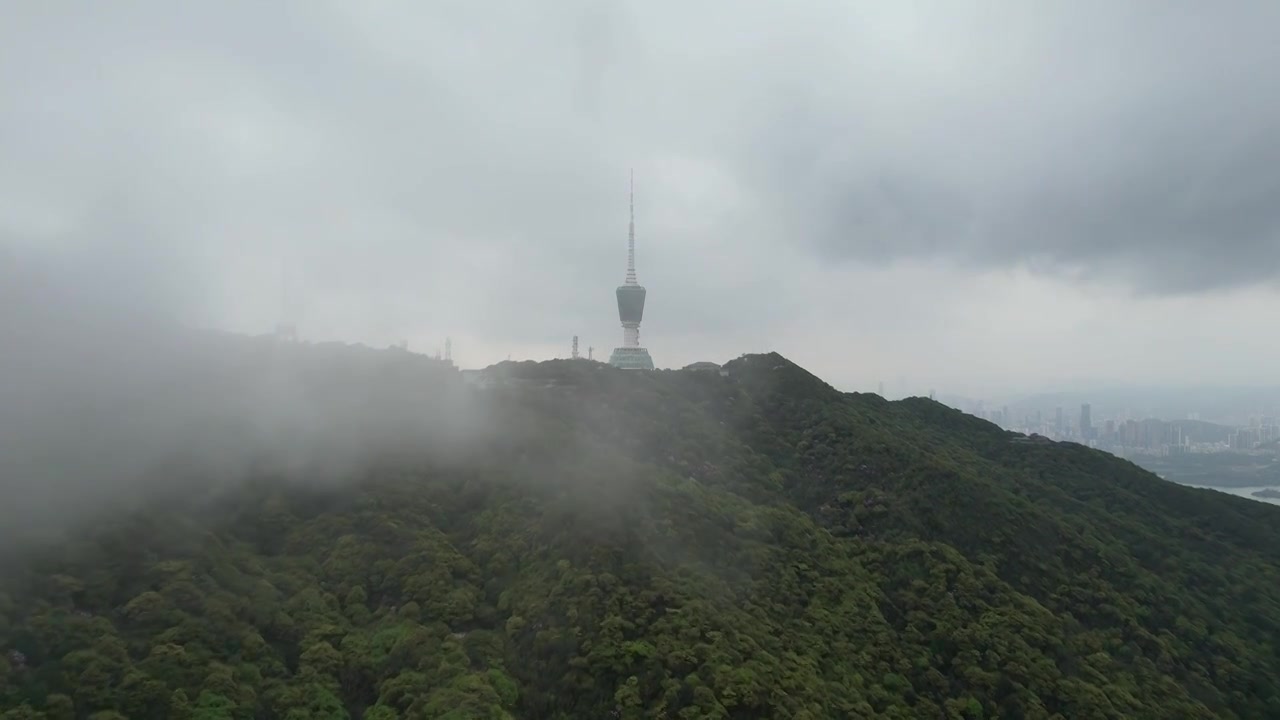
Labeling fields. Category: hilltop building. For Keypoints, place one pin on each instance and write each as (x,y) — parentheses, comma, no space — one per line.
(631,307)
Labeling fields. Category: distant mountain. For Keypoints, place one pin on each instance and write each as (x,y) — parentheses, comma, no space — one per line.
(668,544)
(1202,431)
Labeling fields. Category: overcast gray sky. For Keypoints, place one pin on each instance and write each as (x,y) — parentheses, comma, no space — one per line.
(974,196)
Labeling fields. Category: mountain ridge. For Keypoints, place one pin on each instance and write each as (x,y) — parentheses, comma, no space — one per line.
(665,544)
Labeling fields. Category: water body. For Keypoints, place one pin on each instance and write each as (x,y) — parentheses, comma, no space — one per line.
(1244,492)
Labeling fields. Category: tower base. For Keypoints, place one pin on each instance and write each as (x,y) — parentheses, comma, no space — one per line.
(631,358)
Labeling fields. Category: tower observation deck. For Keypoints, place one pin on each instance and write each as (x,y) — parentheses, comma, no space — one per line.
(631,296)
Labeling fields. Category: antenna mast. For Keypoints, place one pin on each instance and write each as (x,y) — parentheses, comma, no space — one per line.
(631,235)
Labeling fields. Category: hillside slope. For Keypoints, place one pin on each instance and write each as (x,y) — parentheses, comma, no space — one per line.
(676,544)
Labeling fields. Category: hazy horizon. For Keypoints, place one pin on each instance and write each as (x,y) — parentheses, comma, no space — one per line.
(987,200)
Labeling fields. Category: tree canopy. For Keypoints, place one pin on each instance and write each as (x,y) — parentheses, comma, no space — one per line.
(669,544)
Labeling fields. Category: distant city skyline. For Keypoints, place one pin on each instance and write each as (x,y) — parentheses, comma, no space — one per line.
(1129,432)
(1136,437)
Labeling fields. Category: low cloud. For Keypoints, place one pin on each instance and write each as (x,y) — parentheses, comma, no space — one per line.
(105,402)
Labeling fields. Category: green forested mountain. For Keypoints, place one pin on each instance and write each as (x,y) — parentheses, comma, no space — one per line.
(675,544)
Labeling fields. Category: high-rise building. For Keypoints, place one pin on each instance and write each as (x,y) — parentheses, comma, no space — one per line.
(1086,422)
(631,296)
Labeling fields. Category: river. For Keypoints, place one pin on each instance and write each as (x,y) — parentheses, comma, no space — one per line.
(1244,492)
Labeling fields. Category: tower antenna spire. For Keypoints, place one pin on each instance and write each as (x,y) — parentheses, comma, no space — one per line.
(631,296)
(631,235)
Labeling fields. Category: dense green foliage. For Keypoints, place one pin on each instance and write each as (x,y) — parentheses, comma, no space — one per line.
(676,544)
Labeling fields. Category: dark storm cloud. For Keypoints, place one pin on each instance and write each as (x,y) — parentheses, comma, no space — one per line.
(1124,144)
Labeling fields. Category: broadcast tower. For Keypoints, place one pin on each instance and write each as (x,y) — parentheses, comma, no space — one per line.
(631,306)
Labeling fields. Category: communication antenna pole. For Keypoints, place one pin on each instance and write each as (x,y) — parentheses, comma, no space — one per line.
(631,235)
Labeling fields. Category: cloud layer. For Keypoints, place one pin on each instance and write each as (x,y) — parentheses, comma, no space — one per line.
(420,170)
